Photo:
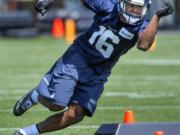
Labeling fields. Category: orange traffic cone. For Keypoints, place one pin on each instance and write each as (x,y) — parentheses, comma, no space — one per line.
(70,30)
(57,28)
(129,117)
(158,133)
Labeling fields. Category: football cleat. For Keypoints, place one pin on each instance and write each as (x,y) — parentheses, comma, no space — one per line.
(23,104)
(19,132)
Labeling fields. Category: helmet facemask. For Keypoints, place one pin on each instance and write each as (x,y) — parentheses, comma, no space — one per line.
(132,11)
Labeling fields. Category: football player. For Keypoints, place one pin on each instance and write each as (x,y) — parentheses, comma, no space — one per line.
(75,82)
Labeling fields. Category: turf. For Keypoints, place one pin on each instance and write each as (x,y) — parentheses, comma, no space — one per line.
(146,82)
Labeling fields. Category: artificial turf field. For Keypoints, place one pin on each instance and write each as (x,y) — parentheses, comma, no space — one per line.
(146,82)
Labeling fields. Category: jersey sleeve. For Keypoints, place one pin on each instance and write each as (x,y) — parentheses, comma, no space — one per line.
(99,6)
(143,26)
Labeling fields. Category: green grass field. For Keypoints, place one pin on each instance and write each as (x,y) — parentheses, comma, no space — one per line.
(145,82)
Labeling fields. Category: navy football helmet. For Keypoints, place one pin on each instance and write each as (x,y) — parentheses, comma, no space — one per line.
(132,11)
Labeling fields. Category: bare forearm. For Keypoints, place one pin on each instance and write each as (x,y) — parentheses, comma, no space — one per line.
(147,37)
(61,120)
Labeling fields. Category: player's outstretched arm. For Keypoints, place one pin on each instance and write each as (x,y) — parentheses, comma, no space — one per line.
(147,37)
(42,6)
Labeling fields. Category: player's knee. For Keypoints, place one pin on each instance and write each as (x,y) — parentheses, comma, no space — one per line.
(76,112)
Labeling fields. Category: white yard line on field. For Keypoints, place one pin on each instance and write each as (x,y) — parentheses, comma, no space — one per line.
(137,95)
(4,98)
(73,127)
(106,108)
(139,83)
(7,129)
(10,91)
(155,62)
(113,77)
(9,98)
(22,75)
(120,77)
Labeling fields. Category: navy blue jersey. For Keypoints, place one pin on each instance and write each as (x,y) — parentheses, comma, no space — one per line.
(108,38)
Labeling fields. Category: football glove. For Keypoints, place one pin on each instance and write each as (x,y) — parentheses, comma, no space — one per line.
(42,6)
(166,10)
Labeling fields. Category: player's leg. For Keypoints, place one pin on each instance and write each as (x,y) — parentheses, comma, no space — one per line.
(52,107)
(62,87)
(74,114)
(60,91)
(83,102)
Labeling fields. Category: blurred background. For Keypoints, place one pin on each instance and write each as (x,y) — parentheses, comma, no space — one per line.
(18,17)
(147,83)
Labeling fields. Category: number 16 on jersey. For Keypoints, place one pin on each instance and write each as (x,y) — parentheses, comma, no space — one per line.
(103,45)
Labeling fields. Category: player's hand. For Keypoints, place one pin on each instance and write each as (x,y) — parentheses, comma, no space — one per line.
(166,10)
(42,6)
